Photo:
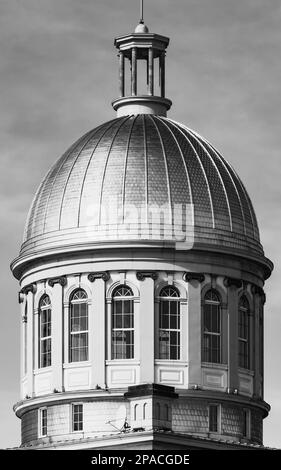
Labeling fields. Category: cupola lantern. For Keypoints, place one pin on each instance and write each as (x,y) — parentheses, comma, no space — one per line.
(134,49)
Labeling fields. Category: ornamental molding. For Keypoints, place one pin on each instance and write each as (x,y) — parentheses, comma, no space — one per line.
(257,290)
(142,275)
(232,282)
(189,276)
(29,288)
(104,275)
(58,280)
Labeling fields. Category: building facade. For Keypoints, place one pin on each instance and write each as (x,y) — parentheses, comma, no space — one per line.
(141,285)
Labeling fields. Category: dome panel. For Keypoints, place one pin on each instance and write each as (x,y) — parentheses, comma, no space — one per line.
(140,161)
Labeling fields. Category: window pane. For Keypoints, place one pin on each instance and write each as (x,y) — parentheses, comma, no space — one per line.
(173,307)
(213,418)
(127,305)
(207,318)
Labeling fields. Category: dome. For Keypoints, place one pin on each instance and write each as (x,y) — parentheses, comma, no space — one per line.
(141,28)
(141,161)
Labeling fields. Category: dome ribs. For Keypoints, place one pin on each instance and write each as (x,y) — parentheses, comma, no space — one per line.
(57,171)
(181,196)
(135,174)
(166,169)
(124,173)
(249,221)
(93,177)
(202,200)
(238,218)
(158,192)
(250,216)
(112,177)
(105,128)
(44,195)
(222,215)
(70,198)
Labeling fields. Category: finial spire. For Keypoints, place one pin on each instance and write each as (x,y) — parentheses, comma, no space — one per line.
(141,11)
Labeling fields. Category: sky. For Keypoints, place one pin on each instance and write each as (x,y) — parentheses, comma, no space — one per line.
(58,76)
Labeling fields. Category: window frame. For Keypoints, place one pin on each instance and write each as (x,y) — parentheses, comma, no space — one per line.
(217,406)
(162,299)
(40,422)
(115,329)
(211,334)
(73,405)
(75,334)
(246,424)
(244,358)
(47,338)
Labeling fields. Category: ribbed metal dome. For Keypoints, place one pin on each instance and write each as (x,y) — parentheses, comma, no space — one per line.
(141,161)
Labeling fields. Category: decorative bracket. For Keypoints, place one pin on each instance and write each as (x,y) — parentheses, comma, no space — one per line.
(142,275)
(29,288)
(58,280)
(232,282)
(188,276)
(21,297)
(259,290)
(104,275)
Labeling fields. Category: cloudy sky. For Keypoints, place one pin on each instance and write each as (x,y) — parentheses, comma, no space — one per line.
(58,75)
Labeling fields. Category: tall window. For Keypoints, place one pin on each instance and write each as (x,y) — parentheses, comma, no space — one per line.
(244,333)
(169,324)
(122,324)
(45,332)
(211,344)
(43,422)
(77,417)
(78,327)
(246,423)
(214,418)
(25,339)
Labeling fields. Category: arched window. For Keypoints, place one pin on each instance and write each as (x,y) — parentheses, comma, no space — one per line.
(45,332)
(211,344)
(122,324)
(244,333)
(169,324)
(78,326)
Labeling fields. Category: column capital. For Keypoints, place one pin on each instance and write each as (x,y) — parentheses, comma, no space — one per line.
(29,288)
(58,280)
(142,275)
(232,282)
(104,275)
(189,276)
